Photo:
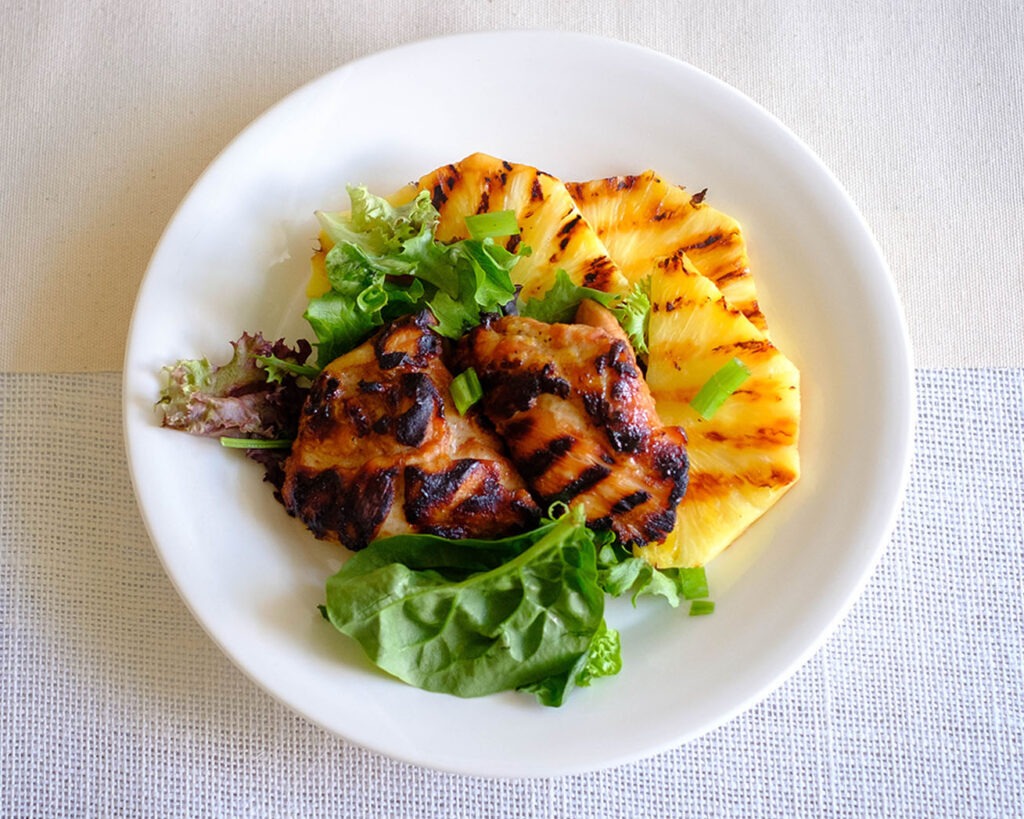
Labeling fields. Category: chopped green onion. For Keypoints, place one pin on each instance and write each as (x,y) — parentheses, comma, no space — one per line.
(719,387)
(694,582)
(699,608)
(492,225)
(466,390)
(255,443)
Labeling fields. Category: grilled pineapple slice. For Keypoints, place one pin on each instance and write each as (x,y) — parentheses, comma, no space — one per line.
(743,459)
(643,218)
(550,223)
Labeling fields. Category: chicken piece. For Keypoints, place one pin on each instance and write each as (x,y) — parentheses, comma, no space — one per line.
(576,414)
(381,450)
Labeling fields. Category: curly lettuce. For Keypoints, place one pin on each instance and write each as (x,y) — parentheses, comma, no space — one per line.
(559,302)
(386,262)
(257,394)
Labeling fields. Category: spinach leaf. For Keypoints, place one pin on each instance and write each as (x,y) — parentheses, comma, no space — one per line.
(472,617)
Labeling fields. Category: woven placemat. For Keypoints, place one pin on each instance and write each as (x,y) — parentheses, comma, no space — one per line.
(114,702)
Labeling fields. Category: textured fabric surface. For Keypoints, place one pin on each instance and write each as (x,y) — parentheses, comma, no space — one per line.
(112,110)
(114,702)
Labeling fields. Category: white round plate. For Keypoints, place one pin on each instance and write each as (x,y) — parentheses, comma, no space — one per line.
(235,257)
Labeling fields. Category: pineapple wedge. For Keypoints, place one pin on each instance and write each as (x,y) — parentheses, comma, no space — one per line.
(641,219)
(743,459)
(550,223)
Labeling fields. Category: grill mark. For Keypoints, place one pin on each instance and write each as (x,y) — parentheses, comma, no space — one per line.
(567,230)
(584,482)
(704,485)
(508,393)
(672,462)
(619,359)
(428,343)
(708,241)
(656,526)
(536,193)
(752,346)
(540,461)
(485,201)
(486,509)
(513,243)
(317,411)
(438,197)
(485,500)
(598,271)
(353,512)
(426,491)
(519,428)
(675,304)
(731,275)
(625,183)
(359,420)
(412,425)
(623,505)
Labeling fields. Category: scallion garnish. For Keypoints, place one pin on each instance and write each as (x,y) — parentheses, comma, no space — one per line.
(492,225)
(255,443)
(694,582)
(719,387)
(701,607)
(466,390)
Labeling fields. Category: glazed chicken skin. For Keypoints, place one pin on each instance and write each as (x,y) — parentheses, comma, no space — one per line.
(381,450)
(572,406)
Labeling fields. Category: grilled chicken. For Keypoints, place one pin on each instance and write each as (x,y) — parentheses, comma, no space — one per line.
(550,223)
(381,450)
(745,457)
(571,404)
(641,219)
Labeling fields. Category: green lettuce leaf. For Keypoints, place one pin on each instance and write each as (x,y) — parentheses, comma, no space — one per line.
(620,572)
(386,262)
(378,226)
(559,302)
(634,314)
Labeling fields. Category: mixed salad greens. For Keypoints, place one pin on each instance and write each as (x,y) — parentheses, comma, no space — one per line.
(465,617)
